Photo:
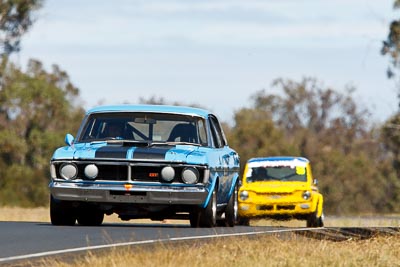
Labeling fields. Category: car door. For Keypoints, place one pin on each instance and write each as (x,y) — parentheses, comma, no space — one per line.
(227,160)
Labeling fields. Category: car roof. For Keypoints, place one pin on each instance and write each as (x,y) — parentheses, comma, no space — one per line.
(279,159)
(151,108)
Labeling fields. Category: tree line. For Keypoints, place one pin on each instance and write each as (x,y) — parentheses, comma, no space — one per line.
(356,162)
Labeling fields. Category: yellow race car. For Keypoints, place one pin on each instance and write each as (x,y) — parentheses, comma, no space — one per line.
(280,188)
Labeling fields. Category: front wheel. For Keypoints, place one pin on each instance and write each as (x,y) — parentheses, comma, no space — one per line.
(194,218)
(314,221)
(61,213)
(90,217)
(243,221)
(231,212)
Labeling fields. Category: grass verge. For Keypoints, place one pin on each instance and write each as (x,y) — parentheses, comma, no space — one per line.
(244,251)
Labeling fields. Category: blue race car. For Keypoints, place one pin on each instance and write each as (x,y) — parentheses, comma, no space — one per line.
(145,161)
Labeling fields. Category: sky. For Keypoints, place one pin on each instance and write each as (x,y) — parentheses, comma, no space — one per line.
(214,53)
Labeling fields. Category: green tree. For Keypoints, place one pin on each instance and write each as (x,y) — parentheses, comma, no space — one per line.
(16,17)
(391,140)
(37,108)
(312,114)
(391,128)
(159,100)
(391,47)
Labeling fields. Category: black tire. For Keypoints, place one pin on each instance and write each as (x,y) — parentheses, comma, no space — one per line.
(314,221)
(231,211)
(194,218)
(243,221)
(208,215)
(61,212)
(88,217)
(321,221)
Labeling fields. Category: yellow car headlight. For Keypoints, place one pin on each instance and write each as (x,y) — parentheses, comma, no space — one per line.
(244,195)
(306,195)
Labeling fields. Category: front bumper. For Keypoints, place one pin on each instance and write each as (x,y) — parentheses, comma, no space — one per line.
(275,209)
(133,193)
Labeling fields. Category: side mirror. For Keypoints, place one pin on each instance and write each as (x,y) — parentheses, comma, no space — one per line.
(315,181)
(69,139)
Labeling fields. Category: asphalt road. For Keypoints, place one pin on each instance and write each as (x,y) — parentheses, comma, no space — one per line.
(30,240)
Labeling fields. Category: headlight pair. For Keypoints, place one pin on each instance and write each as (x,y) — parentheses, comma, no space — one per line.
(190,175)
(69,171)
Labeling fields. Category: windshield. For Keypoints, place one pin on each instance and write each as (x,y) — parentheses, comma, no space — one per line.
(276,173)
(153,127)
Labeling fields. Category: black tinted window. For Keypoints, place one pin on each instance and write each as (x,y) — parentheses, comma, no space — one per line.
(217,135)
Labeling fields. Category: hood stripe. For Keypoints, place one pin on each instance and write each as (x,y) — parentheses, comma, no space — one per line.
(150,153)
(112,152)
(121,152)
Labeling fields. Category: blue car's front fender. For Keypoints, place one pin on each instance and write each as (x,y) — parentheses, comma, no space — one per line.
(235,180)
(212,184)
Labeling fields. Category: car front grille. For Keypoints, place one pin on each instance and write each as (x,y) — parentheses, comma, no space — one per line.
(285,207)
(111,172)
(276,207)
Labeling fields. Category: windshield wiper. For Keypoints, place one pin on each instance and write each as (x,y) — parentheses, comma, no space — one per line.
(127,142)
(182,143)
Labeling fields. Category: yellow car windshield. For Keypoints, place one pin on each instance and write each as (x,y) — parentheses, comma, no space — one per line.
(281,173)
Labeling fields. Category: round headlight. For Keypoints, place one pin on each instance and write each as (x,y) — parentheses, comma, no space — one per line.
(68,171)
(306,195)
(244,195)
(91,171)
(168,173)
(190,175)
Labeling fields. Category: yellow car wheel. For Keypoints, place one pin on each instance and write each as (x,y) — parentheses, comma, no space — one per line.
(243,221)
(314,221)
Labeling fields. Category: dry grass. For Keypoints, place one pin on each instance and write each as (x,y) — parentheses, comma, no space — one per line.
(259,251)
(353,221)
(24,214)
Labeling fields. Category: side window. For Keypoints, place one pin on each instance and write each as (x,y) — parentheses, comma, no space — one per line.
(202,132)
(217,135)
(214,136)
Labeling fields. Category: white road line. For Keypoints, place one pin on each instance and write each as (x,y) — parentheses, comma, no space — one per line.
(80,249)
